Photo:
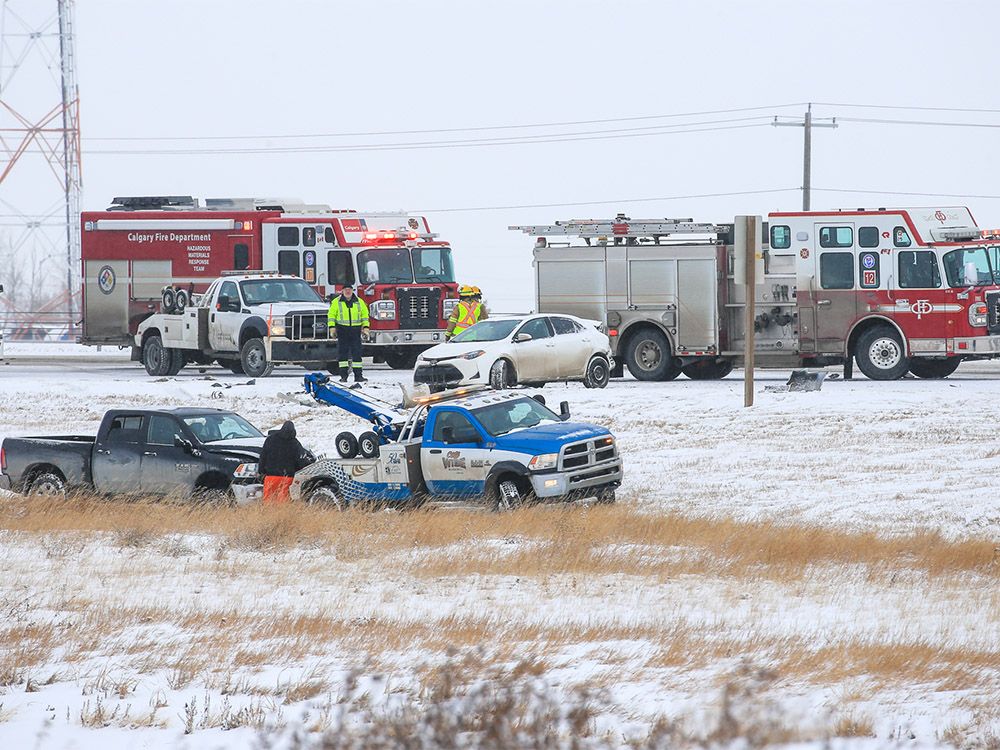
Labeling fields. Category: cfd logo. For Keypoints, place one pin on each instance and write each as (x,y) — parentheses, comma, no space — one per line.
(921,308)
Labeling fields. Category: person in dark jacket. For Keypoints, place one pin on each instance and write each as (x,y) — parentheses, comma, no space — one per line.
(280,458)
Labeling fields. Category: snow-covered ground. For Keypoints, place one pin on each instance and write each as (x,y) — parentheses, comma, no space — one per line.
(191,616)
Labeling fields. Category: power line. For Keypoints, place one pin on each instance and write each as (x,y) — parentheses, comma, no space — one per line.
(418,145)
(882,121)
(602,202)
(908,193)
(565,123)
(902,107)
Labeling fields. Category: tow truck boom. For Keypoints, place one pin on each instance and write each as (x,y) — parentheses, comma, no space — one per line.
(386,419)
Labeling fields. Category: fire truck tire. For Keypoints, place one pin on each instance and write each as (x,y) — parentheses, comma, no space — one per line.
(177,361)
(598,373)
(401,360)
(880,354)
(347,445)
(368,446)
(933,369)
(253,357)
(648,356)
(169,299)
(501,375)
(708,370)
(155,357)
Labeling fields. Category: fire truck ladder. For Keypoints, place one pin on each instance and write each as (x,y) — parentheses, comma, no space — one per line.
(621,228)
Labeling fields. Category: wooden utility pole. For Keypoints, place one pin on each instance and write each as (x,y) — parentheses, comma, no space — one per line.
(750,310)
(807,125)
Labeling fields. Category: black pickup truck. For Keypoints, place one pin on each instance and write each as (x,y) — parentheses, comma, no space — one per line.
(202,453)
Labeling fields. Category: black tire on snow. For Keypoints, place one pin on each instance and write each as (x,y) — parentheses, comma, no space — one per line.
(501,375)
(880,354)
(368,444)
(347,445)
(933,369)
(47,484)
(253,357)
(177,361)
(404,360)
(598,373)
(155,357)
(707,369)
(648,356)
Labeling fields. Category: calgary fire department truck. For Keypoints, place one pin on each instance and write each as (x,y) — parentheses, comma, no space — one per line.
(140,245)
(897,290)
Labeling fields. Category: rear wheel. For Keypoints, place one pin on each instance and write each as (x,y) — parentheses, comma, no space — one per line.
(347,445)
(368,444)
(933,368)
(155,358)
(401,359)
(324,496)
(501,375)
(253,357)
(177,362)
(880,354)
(648,356)
(47,484)
(708,369)
(598,373)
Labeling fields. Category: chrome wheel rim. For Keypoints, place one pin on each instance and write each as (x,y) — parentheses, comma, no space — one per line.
(885,353)
(648,355)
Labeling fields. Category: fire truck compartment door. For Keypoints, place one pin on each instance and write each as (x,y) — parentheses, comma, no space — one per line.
(149,277)
(105,314)
(697,305)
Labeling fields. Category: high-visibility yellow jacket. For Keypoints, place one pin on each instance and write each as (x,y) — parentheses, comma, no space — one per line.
(343,314)
(464,315)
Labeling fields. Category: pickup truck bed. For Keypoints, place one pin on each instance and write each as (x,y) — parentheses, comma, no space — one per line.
(25,457)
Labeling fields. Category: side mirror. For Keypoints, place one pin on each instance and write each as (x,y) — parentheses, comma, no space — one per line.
(180,442)
(223,304)
(564,410)
(448,434)
(522,337)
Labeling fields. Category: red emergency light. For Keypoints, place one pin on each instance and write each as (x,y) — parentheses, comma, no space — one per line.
(390,236)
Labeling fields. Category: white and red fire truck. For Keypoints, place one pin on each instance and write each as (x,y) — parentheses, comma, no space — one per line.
(896,290)
(139,245)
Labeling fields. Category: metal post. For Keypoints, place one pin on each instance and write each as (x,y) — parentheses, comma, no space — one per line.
(806,157)
(750,310)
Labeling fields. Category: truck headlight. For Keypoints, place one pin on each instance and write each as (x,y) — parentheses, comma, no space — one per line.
(474,355)
(977,315)
(448,307)
(544,461)
(277,329)
(246,471)
(384,309)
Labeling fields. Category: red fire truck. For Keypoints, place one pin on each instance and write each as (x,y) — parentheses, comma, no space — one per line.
(139,245)
(896,290)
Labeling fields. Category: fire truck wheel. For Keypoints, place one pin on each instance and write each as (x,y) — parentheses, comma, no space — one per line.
(598,373)
(501,375)
(368,444)
(253,357)
(176,359)
(347,445)
(933,368)
(155,357)
(708,370)
(880,354)
(648,356)
(401,360)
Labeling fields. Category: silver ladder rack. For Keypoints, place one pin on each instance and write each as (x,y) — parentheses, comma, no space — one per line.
(619,227)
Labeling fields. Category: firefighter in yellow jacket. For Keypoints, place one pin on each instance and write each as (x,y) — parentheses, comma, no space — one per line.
(469,311)
(349,315)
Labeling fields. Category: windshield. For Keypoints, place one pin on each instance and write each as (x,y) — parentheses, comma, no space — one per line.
(265,291)
(969,267)
(210,428)
(432,264)
(499,419)
(386,265)
(486,330)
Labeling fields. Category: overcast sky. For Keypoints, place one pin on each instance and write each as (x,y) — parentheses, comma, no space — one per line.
(244,68)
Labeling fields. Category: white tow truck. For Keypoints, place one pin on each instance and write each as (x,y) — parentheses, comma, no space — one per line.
(247,322)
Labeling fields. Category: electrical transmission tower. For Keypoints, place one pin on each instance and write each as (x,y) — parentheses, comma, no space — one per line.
(40,176)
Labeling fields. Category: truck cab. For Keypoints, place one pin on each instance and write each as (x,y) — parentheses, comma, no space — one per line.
(503,447)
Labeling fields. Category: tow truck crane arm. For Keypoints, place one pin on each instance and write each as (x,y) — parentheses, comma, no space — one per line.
(386,419)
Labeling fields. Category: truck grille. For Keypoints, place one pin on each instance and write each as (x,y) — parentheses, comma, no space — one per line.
(993,311)
(301,326)
(587,453)
(419,308)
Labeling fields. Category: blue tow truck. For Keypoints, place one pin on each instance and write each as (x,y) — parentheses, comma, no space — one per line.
(500,446)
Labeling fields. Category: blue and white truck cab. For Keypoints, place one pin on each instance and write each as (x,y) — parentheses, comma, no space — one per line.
(501,446)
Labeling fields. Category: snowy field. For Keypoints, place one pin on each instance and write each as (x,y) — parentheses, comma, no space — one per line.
(821,565)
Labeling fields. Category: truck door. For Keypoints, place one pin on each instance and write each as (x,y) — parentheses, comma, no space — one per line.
(832,290)
(454,458)
(225,319)
(534,359)
(166,468)
(117,459)
(105,311)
